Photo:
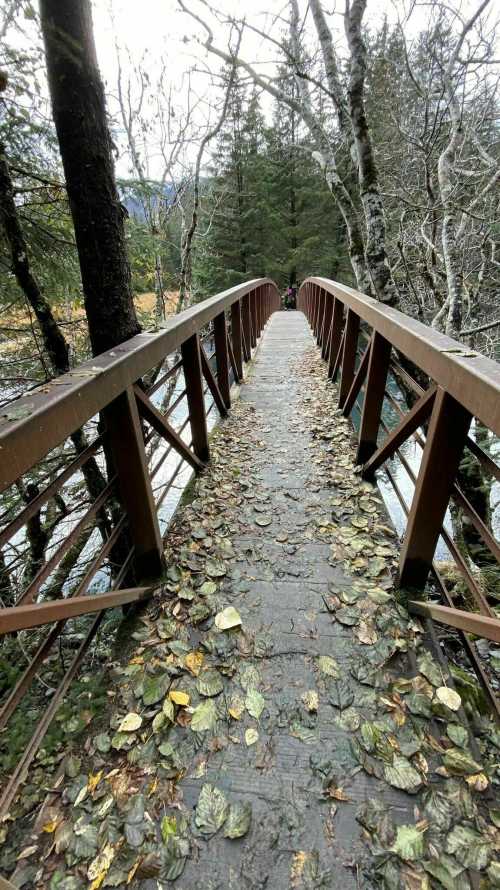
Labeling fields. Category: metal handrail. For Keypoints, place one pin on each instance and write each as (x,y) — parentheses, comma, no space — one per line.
(462,384)
(471,378)
(51,413)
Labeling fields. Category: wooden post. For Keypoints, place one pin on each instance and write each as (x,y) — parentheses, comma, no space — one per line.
(191,365)
(348,355)
(337,319)
(236,333)
(444,445)
(378,367)
(126,442)
(222,358)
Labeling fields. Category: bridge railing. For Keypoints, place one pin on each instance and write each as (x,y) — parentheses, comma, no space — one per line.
(453,389)
(86,463)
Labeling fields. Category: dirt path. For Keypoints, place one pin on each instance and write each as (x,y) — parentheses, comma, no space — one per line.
(314,744)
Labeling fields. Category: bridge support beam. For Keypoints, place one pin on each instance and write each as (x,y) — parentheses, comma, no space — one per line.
(129,460)
(378,368)
(448,430)
(191,365)
(348,355)
(222,357)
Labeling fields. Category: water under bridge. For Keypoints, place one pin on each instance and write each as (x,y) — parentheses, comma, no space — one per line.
(298,697)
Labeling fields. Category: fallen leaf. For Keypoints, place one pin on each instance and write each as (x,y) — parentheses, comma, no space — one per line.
(227,619)
(251,736)
(178,697)
(130,723)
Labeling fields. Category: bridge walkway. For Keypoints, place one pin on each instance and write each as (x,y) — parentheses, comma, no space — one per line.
(306,755)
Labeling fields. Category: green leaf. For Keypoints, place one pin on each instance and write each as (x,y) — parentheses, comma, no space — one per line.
(254,703)
(460,762)
(448,872)
(472,849)
(168,827)
(102,742)
(204,716)
(249,677)
(239,820)
(403,775)
(409,843)
(458,734)
(154,689)
(209,683)
(430,669)
(327,665)
(215,568)
(212,810)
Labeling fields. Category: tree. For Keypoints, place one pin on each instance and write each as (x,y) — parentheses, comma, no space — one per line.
(79,111)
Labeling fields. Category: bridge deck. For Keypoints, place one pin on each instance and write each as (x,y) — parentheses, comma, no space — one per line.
(321,717)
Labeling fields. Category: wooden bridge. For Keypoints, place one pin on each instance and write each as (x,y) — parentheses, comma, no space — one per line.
(283,720)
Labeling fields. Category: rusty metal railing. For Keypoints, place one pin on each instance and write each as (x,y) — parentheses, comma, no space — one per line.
(366,345)
(125,402)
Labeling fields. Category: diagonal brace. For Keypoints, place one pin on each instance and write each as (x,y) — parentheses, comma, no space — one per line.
(357,383)
(212,383)
(409,423)
(158,422)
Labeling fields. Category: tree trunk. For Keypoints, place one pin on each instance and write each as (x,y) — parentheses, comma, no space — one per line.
(79,111)
(53,340)
(371,199)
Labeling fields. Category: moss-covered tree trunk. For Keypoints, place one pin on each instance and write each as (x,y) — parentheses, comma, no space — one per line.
(79,111)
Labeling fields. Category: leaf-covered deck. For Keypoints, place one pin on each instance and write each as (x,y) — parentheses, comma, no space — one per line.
(280,721)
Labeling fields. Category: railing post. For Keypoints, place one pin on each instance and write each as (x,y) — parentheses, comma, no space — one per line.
(191,366)
(378,367)
(126,442)
(327,324)
(253,318)
(348,355)
(315,295)
(448,429)
(337,319)
(222,358)
(236,335)
(247,326)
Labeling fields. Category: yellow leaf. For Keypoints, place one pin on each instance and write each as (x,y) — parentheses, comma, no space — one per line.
(130,723)
(94,780)
(51,825)
(152,788)
(478,781)
(194,661)
(131,874)
(100,866)
(179,698)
